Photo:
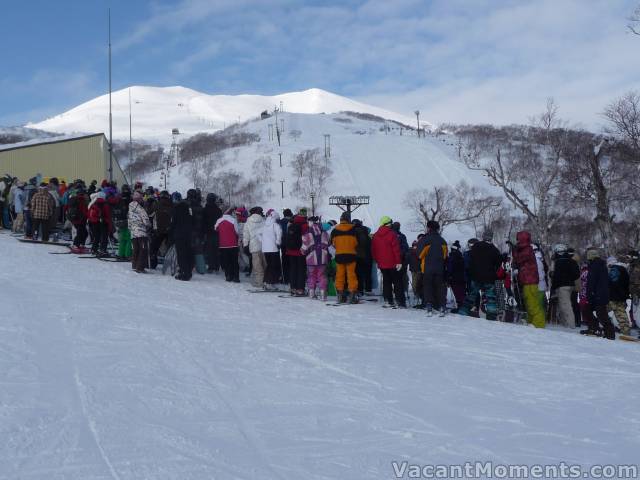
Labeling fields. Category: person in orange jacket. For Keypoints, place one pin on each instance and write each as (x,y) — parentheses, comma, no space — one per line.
(344,240)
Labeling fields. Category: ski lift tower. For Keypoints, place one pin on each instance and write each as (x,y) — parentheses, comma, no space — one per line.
(349,203)
(173,154)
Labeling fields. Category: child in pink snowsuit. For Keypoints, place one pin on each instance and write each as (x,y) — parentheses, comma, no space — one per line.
(315,247)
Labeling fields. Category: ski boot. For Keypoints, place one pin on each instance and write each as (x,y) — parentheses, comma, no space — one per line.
(429,310)
(340,296)
(353,298)
(322,295)
(443,312)
(313,294)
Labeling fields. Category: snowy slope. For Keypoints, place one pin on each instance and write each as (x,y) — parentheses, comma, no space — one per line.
(107,374)
(365,161)
(156,111)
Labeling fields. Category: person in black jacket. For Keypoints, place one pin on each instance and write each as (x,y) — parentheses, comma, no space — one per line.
(287,217)
(363,257)
(433,252)
(619,293)
(598,297)
(211,214)
(181,233)
(484,261)
(455,274)
(563,282)
(404,251)
(194,199)
(161,221)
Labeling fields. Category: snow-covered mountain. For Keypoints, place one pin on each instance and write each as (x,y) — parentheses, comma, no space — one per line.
(155,111)
(369,156)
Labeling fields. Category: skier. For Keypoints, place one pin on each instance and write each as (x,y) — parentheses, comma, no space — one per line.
(228,235)
(456,275)
(18,206)
(597,293)
(634,282)
(315,248)
(77,213)
(211,214)
(525,268)
(139,224)
(29,191)
(386,251)
(252,240)
(161,221)
(287,217)
(563,283)
(484,262)
(404,254)
(125,250)
(416,274)
(297,264)
(100,223)
(271,242)
(433,253)
(363,257)
(42,209)
(619,293)
(180,235)
(343,239)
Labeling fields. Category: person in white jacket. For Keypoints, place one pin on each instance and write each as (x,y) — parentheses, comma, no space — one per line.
(252,238)
(139,224)
(271,242)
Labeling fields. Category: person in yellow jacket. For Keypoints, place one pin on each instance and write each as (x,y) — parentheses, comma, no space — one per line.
(344,240)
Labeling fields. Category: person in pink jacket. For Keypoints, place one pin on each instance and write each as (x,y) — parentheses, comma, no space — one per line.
(315,247)
(227,228)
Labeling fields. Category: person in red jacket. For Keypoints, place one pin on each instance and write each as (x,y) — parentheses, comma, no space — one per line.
(77,213)
(228,235)
(524,261)
(385,249)
(100,223)
(297,262)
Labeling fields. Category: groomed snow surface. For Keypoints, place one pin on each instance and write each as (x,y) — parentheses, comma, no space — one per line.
(108,374)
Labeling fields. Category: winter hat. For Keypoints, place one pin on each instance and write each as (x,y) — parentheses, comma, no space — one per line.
(314,219)
(345,217)
(471,242)
(137,197)
(104,183)
(487,236)
(593,253)
(396,226)
(611,260)
(560,248)
(433,226)
(287,212)
(455,245)
(384,221)
(303,212)
(270,211)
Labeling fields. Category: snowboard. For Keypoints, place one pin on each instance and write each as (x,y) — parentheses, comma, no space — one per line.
(293,296)
(60,253)
(57,244)
(259,290)
(114,259)
(628,338)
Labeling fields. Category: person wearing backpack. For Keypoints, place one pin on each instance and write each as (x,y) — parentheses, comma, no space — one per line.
(297,263)
(315,248)
(161,221)
(100,223)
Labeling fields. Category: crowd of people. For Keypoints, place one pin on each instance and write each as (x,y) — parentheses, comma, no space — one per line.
(312,257)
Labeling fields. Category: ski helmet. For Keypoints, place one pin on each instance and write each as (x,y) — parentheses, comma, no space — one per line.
(560,248)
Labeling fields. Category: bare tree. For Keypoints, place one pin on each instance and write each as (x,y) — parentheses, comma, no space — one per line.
(449,205)
(624,116)
(262,170)
(311,172)
(634,21)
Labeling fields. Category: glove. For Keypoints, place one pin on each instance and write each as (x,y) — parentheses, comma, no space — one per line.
(399,267)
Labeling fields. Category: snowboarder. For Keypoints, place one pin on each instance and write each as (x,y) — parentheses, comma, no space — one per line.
(484,262)
(525,267)
(563,283)
(433,253)
(598,297)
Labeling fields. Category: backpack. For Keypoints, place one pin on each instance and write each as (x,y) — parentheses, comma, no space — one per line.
(294,236)
(73,212)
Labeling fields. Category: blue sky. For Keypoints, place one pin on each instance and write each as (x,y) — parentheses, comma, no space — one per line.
(456,60)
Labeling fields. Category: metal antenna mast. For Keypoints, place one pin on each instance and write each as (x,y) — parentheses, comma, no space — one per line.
(130,138)
(110,116)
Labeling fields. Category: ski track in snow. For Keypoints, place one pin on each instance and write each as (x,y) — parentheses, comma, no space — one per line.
(106,374)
